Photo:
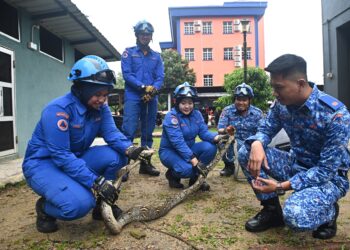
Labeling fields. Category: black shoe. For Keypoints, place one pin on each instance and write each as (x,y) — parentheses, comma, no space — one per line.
(228,170)
(329,229)
(148,168)
(97,214)
(270,216)
(44,222)
(204,186)
(174,182)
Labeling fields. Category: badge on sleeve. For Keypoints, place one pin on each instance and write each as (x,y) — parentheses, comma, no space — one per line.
(62,125)
(125,54)
(174,121)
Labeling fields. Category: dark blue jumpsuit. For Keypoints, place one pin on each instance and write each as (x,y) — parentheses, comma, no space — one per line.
(178,146)
(139,69)
(59,163)
(317,163)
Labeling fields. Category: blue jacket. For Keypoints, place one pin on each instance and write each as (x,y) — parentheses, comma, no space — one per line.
(319,134)
(65,131)
(139,69)
(246,125)
(180,132)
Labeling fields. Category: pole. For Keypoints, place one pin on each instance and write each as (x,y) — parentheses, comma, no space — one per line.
(245,55)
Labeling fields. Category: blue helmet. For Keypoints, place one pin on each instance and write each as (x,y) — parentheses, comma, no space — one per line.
(143,27)
(243,90)
(185,90)
(92,69)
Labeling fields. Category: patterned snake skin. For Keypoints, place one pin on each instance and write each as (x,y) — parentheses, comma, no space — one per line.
(149,212)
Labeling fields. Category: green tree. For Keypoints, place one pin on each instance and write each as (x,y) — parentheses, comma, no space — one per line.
(120,81)
(256,78)
(176,70)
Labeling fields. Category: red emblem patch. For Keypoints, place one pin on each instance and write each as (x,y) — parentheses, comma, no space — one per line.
(125,54)
(62,125)
(334,103)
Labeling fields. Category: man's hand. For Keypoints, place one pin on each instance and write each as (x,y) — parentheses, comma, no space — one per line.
(257,157)
(134,152)
(105,190)
(264,185)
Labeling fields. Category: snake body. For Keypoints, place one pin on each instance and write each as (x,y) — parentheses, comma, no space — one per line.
(149,212)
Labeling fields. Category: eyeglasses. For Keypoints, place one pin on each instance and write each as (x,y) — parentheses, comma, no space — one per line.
(102,76)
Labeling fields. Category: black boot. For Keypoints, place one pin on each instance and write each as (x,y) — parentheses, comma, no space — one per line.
(329,229)
(204,187)
(97,213)
(125,177)
(174,182)
(44,222)
(270,216)
(148,168)
(228,170)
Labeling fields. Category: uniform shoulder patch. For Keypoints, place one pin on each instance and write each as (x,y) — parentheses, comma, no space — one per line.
(174,120)
(125,54)
(62,125)
(331,102)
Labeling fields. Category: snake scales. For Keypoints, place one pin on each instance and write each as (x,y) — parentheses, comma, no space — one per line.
(149,212)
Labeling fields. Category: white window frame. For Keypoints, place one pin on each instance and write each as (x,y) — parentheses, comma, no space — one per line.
(207,54)
(227,27)
(188,28)
(189,54)
(208,80)
(228,53)
(207,28)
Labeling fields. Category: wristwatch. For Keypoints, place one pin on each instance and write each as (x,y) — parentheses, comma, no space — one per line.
(279,189)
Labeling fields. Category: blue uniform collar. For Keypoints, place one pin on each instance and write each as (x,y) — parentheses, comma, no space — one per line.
(81,107)
(310,102)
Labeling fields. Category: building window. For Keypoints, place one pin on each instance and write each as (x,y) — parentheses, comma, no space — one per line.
(207,28)
(249,54)
(208,80)
(207,54)
(228,53)
(9,20)
(189,30)
(189,54)
(228,29)
(51,44)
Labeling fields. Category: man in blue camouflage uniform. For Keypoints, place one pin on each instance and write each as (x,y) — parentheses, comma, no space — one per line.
(143,72)
(316,166)
(244,117)
(178,150)
(59,164)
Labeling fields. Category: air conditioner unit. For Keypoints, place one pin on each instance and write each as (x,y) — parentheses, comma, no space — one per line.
(238,58)
(237,53)
(197,23)
(238,64)
(197,28)
(236,22)
(238,48)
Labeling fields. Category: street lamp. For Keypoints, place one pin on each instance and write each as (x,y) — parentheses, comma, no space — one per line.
(245,24)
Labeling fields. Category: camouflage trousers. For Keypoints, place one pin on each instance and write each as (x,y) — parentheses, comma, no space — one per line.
(304,209)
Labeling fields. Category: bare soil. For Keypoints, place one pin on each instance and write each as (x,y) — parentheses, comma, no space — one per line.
(207,220)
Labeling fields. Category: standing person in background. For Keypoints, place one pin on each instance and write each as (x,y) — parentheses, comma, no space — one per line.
(316,167)
(143,72)
(59,164)
(244,117)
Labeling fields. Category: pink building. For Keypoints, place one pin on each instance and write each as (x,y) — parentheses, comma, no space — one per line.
(211,38)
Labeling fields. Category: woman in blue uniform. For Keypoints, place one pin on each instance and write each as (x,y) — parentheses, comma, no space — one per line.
(178,150)
(60,165)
